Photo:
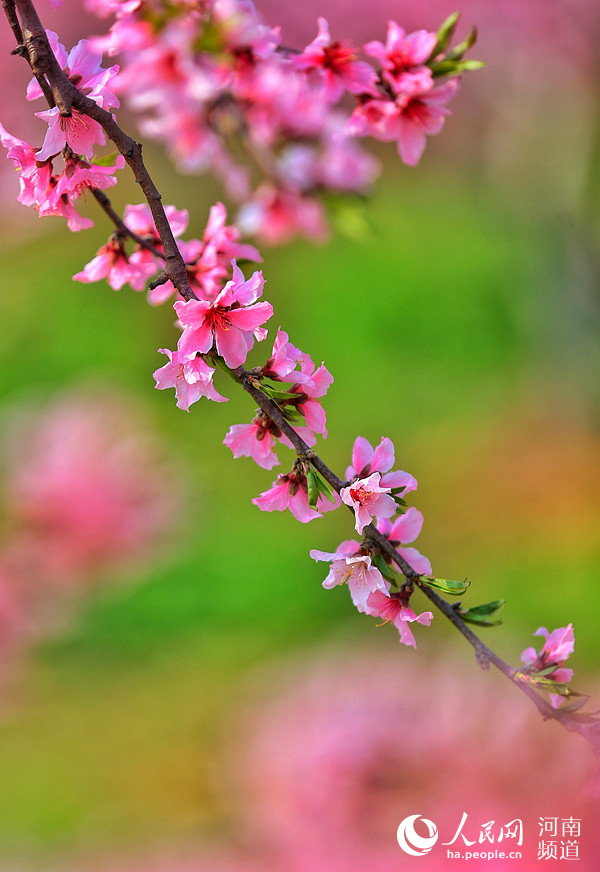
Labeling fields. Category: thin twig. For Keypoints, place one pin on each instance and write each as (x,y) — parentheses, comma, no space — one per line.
(105,203)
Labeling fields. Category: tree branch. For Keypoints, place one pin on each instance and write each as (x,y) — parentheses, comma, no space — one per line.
(106,205)
(31,37)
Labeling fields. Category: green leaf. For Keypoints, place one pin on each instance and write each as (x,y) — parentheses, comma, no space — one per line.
(485,615)
(313,488)
(323,486)
(444,34)
(106,161)
(479,620)
(351,220)
(278,395)
(544,672)
(292,415)
(386,570)
(550,685)
(454,588)
(459,50)
(455,68)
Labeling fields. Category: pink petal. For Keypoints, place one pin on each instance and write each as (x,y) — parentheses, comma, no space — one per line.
(416,561)
(300,509)
(411,141)
(408,526)
(196,339)
(383,458)
(231,345)
(362,453)
(250,317)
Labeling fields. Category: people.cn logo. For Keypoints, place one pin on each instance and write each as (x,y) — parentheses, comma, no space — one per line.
(411,842)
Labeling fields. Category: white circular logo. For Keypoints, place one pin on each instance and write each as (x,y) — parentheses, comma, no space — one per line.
(411,842)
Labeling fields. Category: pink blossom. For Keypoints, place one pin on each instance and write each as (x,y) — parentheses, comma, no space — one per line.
(349,564)
(256,440)
(63,207)
(224,238)
(80,132)
(284,359)
(338,64)
(87,490)
(344,166)
(191,377)
(309,384)
(208,260)
(401,53)
(423,114)
(34,178)
(558,647)
(366,459)
(78,176)
(290,491)
(405,529)
(104,8)
(231,322)
(114,264)
(408,119)
(276,214)
(376,118)
(395,609)
(82,67)
(51,194)
(139,219)
(369,500)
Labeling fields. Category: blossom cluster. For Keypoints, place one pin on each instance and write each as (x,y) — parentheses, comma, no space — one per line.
(220,328)
(545,668)
(69,140)
(208,78)
(208,260)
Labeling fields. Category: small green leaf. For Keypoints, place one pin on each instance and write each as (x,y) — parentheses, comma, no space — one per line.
(386,570)
(278,395)
(351,220)
(444,34)
(485,615)
(324,486)
(458,51)
(455,68)
(106,161)
(480,621)
(291,414)
(313,488)
(454,588)
(550,685)
(545,672)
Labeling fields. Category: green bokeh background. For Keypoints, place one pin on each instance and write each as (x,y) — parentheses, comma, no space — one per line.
(460,324)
